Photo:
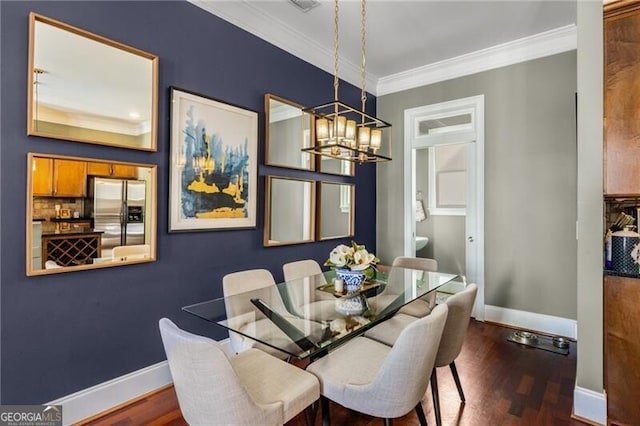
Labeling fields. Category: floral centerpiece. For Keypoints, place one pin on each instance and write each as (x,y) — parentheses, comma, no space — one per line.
(352,264)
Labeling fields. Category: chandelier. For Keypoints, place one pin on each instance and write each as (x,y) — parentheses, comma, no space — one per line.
(344,132)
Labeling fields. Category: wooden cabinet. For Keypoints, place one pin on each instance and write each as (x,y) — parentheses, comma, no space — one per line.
(69,178)
(622,349)
(123,171)
(59,178)
(622,91)
(42,176)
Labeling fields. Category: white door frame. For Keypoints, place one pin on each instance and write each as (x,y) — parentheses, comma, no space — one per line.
(474,223)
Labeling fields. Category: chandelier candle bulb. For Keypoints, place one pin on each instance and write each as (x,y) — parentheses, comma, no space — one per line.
(364,135)
(341,127)
(376,138)
(350,132)
(322,129)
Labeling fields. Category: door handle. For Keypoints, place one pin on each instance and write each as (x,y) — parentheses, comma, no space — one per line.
(470,239)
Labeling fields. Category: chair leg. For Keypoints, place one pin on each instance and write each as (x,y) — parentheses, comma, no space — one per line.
(456,378)
(388,422)
(436,397)
(310,413)
(420,413)
(326,418)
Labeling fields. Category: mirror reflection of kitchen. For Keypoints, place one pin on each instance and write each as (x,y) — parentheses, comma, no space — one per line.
(87,212)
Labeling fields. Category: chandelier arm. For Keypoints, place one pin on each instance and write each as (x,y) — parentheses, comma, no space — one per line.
(363,34)
(336,48)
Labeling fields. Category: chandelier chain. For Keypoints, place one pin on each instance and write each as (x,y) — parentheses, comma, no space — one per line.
(363,33)
(336,45)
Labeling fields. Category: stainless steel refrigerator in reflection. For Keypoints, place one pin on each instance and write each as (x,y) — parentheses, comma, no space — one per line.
(118,211)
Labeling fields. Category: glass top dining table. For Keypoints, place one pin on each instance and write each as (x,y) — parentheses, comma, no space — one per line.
(307,317)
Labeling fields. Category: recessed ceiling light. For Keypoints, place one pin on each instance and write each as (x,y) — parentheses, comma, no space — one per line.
(305,5)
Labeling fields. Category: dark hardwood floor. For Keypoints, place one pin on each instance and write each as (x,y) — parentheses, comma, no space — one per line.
(504,383)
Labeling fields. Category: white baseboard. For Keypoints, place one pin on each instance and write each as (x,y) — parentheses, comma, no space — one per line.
(104,396)
(101,397)
(590,405)
(532,321)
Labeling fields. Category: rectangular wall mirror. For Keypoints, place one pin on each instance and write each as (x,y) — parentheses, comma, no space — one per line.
(288,130)
(85,213)
(336,217)
(289,211)
(86,88)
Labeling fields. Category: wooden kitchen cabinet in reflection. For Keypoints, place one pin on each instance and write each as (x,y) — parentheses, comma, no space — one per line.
(58,178)
(621,344)
(621,89)
(122,171)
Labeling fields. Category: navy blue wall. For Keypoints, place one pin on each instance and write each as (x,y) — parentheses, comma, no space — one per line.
(66,332)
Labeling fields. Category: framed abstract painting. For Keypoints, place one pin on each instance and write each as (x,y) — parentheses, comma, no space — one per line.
(214,156)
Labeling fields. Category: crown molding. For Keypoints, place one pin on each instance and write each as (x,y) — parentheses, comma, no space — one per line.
(547,43)
(248,17)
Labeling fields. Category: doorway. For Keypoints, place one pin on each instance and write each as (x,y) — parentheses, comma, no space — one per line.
(444,188)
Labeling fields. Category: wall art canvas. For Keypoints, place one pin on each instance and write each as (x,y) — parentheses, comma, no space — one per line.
(213,164)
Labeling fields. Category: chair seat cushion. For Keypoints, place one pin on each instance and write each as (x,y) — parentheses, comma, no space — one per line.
(355,363)
(269,380)
(388,331)
(420,307)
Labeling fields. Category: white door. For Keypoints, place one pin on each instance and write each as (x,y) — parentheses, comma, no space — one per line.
(455,124)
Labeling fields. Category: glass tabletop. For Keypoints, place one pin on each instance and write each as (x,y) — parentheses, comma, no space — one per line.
(307,317)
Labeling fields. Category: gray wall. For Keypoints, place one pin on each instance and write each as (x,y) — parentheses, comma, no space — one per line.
(590,229)
(530,180)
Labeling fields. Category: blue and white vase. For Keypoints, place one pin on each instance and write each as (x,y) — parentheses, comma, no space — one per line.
(352,279)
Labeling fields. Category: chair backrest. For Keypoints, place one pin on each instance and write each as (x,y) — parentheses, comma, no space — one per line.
(205,382)
(460,307)
(300,269)
(305,277)
(404,377)
(139,251)
(243,281)
(239,309)
(421,263)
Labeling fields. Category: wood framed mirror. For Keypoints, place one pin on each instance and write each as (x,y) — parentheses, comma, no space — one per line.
(86,213)
(83,87)
(336,217)
(288,130)
(289,211)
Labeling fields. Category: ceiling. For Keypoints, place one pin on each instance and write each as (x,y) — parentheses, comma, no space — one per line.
(402,36)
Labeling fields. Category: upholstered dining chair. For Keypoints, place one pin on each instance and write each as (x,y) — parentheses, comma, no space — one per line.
(138,251)
(423,305)
(460,307)
(242,314)
(306,300)
(417,308)
(247,389)
(378,380)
